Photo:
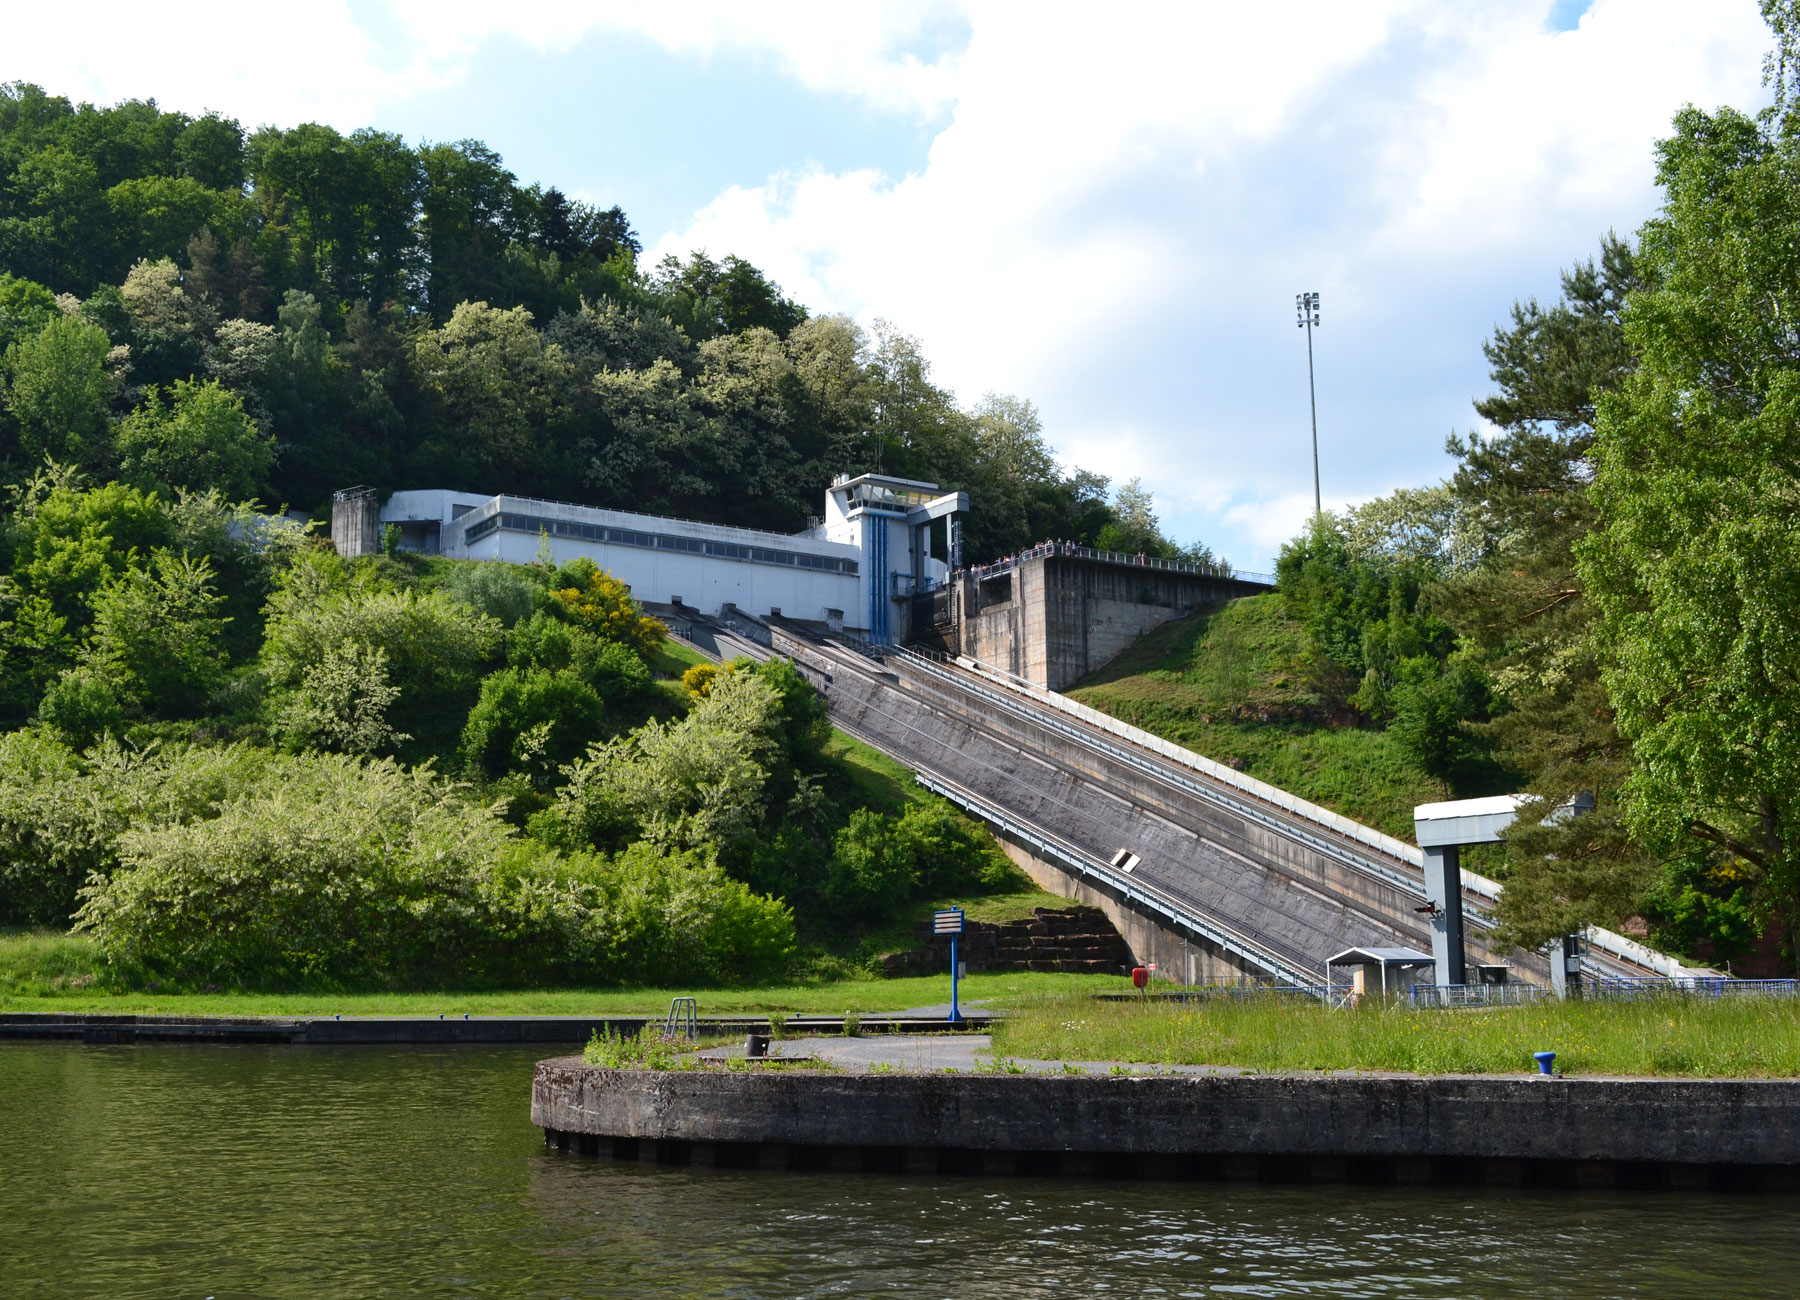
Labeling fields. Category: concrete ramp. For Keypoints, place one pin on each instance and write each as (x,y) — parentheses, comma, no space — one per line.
(1230,877)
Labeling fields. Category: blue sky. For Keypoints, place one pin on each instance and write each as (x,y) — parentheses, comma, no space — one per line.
(1107,211)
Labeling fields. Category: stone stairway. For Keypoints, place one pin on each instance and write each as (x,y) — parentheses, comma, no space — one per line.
(1075,939)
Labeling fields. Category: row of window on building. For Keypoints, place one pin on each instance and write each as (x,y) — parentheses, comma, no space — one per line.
(653,541)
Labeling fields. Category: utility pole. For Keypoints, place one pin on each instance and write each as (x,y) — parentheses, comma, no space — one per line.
(1306,305)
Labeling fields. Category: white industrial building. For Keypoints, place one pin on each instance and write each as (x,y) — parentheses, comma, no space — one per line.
(856,569)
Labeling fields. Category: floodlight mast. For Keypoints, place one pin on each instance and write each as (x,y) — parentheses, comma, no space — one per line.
(1306,306)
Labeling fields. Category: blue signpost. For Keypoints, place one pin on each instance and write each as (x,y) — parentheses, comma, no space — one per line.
(950,922)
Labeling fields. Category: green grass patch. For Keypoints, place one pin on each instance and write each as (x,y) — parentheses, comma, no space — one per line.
(861,777)
(48,963)
(1229,683)
(63,974)
(674,657)
(1700,1038)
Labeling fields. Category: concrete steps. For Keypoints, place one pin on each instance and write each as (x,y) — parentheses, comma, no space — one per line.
(1079,940)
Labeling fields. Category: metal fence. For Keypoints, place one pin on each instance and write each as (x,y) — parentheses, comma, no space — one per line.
(1477,995)
(1608,988)
(1624,988)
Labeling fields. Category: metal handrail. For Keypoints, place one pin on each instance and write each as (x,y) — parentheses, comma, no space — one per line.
(1222,798)
(1076,551)
(1617,946)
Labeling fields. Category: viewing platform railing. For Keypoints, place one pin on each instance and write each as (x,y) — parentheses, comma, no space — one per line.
(1074,551)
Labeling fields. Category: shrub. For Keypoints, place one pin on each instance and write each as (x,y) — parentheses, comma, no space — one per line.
(503,592)
(334,871)
(593,599)
(879,862)
(704,780)
(341,703)
(543,641)
(871,873)
(61,814)
(81,707)
(435,646)
(270,891)
(157,634)
(532,721)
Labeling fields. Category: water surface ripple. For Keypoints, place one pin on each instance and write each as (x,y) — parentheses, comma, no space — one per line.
(247,1171)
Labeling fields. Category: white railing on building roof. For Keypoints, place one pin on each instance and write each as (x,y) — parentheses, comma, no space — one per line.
(1140,560)
(492,505)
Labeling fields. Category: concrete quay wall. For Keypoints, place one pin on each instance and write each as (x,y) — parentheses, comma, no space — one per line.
(1588,1132)
(425,1031)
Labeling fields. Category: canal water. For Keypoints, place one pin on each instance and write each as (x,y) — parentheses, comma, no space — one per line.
(284,1171)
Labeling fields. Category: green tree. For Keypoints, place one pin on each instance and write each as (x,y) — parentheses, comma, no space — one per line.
(25,308)
(532,721)
(200,437)
(497,384)
(58,389)
(70,543)
(1431,701)
(1695,569)
(1522,506)
(157,634)
(80,707)
(708,298)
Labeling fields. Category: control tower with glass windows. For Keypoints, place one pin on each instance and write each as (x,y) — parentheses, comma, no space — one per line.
(910,535)
(880,541)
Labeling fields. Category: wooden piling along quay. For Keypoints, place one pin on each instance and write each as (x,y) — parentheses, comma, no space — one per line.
(1599,1133)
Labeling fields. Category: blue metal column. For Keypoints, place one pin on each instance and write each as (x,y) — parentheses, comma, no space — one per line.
(955,975)
(878,579)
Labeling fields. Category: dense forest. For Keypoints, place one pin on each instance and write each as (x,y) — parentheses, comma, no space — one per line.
(1605,594)
(281,313)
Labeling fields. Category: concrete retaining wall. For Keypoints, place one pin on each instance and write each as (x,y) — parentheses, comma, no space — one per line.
(1583,1132)
(1055,618)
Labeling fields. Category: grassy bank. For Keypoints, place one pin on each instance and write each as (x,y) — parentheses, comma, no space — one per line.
(1748,1038)
(1229,683)
(61,973)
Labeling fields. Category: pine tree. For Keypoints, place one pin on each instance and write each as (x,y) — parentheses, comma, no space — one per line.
(1524,607)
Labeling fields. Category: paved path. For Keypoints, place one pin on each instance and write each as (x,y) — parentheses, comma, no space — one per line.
(962,1053)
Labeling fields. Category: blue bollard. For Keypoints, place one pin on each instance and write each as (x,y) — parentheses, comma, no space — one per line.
(1545,1060)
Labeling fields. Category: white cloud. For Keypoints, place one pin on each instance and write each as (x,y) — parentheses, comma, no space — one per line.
(1266,524)
(1103,186)
(339,61)
(253,62)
